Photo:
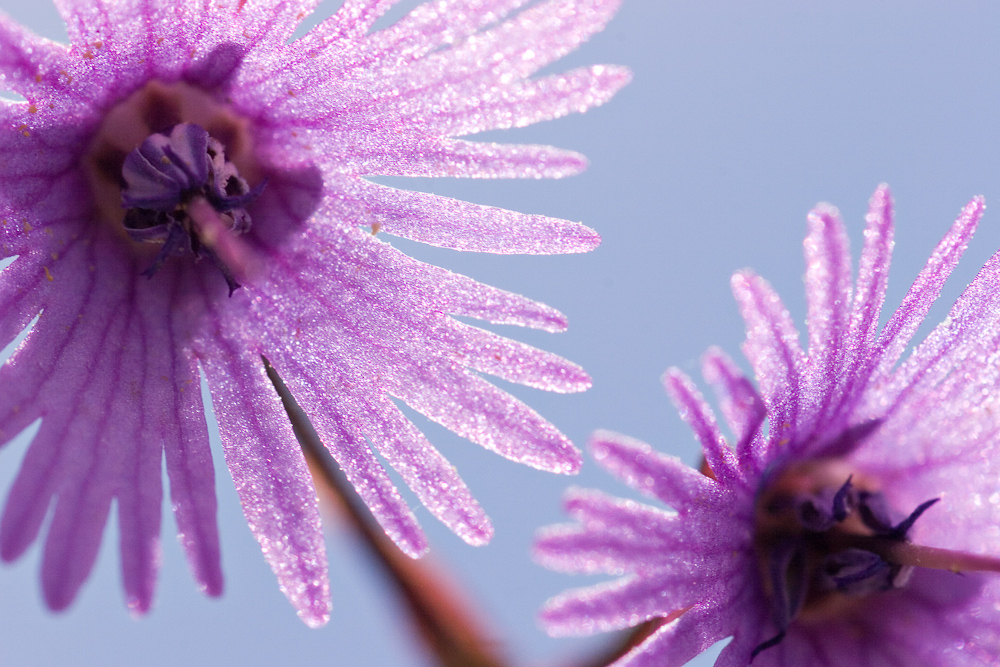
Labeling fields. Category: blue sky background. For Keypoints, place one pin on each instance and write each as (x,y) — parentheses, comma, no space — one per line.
(739,120)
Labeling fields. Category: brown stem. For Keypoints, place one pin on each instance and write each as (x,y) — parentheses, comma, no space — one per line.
(629,641)
(445,622)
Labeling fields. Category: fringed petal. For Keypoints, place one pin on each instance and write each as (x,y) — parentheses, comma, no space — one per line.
(903,324)
(354,19)
(431,25)
(429,475)
(92,24)
(828,293)
(873,277)
(616,605)
(696,413)
(652,473)
(28,63)
(271,22)
(679,641)
(78,368)
(192,477)
(269,471)
(108,458)
(459,225)
(371,155)
(512,361)
(741,405)
(526,102)
(354,256)
(600,511)
(341,431)
(531,39)
(973,320)
(465,297)
(22,294)
(581,550)
(488,417)
(772,346)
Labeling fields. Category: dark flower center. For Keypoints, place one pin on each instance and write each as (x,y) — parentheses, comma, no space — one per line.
(826,537)
(174,172)
(181,192)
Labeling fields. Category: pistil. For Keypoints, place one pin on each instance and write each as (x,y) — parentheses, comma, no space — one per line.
(916,555)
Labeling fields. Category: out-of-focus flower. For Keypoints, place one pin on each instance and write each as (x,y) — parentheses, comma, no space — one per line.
(183,189)
(853,519)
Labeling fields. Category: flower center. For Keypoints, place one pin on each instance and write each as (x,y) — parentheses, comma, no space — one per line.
(171,166)
(825,537)
(181,192)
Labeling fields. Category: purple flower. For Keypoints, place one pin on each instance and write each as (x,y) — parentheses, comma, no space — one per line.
(851,518)
(183,189)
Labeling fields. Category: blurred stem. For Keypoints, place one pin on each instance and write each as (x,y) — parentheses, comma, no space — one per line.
(629,640)
(444,621)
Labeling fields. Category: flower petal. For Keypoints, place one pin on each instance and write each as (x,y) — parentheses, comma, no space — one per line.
(616,605)
(524,102)
(584,551)
(53,370)
(772,346)
(270,473)
(184,433)
(531,39)
(451,223)
(271,21)
(429,475)
(742,407)
(828,293)
(972,326)
(21,296)
(679,641)
(488,417)
(341,431)
(28,63)
(416,155)
(903,324)
(873,276)
(355,17)
(652,473)
(695,412)
(78,455)
(512,361)
(600,511)
(430,25)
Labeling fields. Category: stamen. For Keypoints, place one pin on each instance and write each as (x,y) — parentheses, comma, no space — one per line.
(763,646)
(841,500)
(813,516)
(856,572)
(177,242)
(900,531)
(874,512)
(789,580)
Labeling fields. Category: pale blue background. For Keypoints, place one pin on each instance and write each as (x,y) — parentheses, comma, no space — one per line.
(740,119)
